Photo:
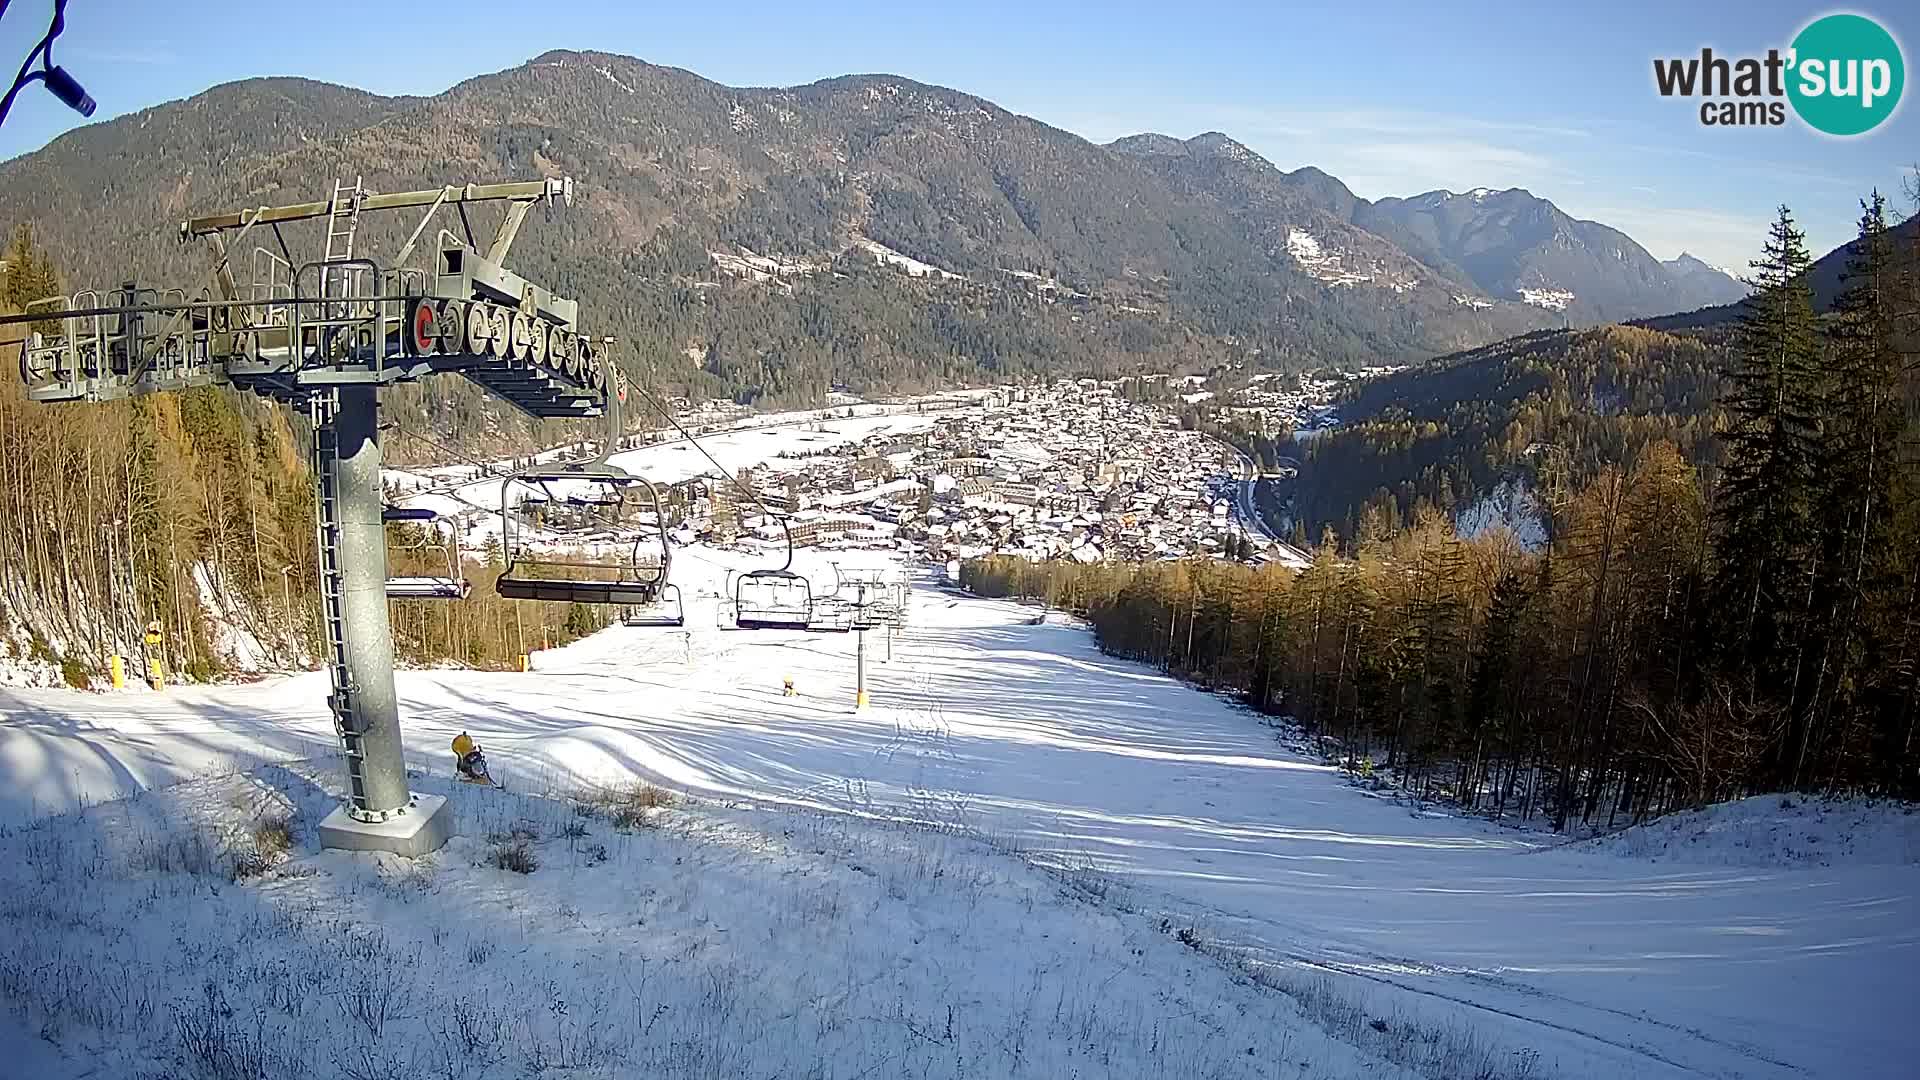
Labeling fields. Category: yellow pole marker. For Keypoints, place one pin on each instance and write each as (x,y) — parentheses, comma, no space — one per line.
(156,675)
(117,664)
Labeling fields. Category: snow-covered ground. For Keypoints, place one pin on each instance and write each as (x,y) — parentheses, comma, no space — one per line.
(1547,297)
(679,941)
(884,255)
(1778,831)
(1604,964)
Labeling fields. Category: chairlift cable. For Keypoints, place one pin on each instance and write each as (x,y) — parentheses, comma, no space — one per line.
(445,449)
(754,495)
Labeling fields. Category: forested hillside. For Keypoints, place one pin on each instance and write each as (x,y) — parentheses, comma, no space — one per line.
(1678,641)
(766,244)
(1553,408)
(1546,410)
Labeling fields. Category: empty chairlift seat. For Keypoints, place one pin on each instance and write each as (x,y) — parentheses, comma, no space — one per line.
(601,524)
(664,611)
(451,586)
(772,600)
(831,616)
(428,588)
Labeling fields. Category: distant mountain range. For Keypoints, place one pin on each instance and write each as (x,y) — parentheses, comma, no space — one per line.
(867,230)
(1500,245)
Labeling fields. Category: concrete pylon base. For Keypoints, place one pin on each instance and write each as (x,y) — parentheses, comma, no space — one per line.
(422,827)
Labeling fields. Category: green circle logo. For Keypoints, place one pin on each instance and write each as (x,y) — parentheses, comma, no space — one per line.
(1846,74)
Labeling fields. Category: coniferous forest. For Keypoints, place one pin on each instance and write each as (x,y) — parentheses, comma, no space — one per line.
(195,510)
(1722,609)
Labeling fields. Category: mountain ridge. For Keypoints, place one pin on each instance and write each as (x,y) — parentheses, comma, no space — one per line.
(1553,260)
(1057,253)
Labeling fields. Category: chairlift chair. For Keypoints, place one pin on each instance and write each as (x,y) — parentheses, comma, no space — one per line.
(450,587)
(637,581)
(772,600)
(663,612)
(830,616)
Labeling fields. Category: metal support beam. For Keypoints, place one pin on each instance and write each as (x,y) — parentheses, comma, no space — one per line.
(225,285)
(509,228)
(551,188)
(365,703)
(413,238)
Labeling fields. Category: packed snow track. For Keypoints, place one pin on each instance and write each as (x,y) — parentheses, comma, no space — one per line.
(1606,963)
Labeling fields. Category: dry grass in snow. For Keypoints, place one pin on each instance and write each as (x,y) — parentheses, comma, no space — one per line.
(197,932)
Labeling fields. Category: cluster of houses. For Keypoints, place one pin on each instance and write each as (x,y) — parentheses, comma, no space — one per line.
(1069,470)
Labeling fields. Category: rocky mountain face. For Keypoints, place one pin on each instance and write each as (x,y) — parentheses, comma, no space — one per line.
(1513,245)
(1506,246)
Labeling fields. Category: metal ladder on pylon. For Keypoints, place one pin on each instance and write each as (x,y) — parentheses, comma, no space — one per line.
(326,475)
(343,221)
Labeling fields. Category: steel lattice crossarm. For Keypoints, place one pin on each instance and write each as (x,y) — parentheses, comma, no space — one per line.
(289,330)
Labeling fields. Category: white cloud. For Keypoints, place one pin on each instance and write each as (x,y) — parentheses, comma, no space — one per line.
(1717,236)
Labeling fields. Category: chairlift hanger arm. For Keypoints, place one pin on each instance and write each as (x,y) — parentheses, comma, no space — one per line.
(522,192)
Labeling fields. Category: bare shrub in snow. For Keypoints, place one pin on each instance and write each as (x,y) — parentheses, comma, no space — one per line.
(522,832)
(215,1044)
(628,806)
(273,836)
(516,856)
(372,1002)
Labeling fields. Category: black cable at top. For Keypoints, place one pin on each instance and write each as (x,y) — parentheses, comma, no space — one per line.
(59,82)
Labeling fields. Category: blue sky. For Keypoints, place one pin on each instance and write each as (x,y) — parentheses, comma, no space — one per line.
(1394,98)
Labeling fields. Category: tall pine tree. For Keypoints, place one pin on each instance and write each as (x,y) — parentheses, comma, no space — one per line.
(1856,470)
(1770,433)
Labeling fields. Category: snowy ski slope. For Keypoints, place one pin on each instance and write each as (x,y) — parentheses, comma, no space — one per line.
(1610,964)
